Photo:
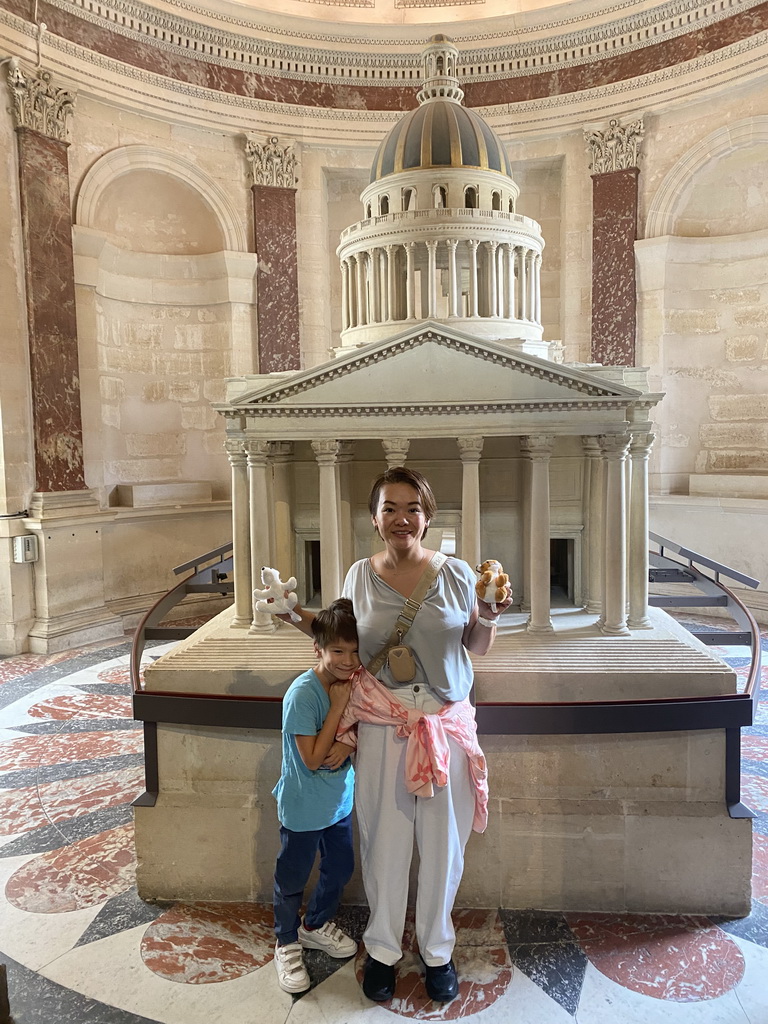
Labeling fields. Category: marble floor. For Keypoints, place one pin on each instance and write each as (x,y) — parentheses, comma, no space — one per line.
(81,947)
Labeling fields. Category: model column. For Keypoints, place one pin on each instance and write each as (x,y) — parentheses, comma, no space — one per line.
(282,544)
(410,281)
(593,523)
(473,278)
(241,533)
(260,495)
(538,449)
(470,450)
(639,450)
(396,451)
(326,452)
(453,286)
(614,621)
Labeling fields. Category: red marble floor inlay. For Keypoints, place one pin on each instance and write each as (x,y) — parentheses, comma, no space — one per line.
(682,959)
(22,810)
(83,705)
(760,868)
(754,748)
(31,751)
(81,875)
(119,674)
(205,943)
(754,792)
(482,963)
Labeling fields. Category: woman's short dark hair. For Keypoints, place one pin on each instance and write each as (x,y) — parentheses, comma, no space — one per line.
(414,479)
(336,622)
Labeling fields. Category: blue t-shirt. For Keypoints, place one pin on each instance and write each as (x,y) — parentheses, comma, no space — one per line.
(309,800)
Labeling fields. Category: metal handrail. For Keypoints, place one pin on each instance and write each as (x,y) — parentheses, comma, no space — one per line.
(169,600)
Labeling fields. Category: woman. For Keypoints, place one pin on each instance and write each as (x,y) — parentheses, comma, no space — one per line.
(446,626)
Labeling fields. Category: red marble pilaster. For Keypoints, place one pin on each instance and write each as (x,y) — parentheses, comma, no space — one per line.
(50,287)
(277,283)
(614,230)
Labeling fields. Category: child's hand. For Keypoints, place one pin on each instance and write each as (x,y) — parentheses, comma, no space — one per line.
(339,694)
(337,755)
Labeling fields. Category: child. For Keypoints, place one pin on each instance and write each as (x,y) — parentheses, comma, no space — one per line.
(314,800)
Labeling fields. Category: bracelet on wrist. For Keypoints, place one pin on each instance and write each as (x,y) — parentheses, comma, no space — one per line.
(488,623)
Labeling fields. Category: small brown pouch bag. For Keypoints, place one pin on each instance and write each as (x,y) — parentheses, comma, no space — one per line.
(398,655)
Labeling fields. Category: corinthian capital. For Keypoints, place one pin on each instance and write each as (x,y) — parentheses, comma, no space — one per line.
(615,149)
(37,104)
(271,164)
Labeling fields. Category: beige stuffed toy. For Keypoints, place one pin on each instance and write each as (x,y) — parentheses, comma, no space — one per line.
(493,583)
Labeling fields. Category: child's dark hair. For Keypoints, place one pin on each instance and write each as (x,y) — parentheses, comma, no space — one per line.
(336,622)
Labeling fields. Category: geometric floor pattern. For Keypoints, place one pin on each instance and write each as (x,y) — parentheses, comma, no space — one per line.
(81,947)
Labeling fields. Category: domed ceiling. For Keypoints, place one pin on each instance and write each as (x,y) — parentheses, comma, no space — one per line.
(378,13)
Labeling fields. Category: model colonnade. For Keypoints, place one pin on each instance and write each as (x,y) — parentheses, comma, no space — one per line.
(614,564)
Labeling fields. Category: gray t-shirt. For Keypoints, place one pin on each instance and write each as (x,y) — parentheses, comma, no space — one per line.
(442,662)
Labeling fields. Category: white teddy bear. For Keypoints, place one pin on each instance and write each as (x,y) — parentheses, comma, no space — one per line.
(273,600)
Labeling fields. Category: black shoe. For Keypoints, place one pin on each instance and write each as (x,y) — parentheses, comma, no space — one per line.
(378,980)
(441,983)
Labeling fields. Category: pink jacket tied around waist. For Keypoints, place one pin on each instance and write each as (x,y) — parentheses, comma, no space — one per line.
(427,754)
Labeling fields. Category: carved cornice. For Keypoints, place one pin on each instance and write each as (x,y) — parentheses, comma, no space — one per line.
(271,164)
(615,149)
(369,411)
(512,56)
(551,111)
(37,103)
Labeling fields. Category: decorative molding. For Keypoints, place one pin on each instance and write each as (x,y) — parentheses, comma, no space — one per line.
(271,164)
(386,62)
(615,149)
(478,351)
(530,115)
(369,411)
(37,103)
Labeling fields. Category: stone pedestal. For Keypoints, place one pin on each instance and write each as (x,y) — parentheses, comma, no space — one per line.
(610,822)
(70,604)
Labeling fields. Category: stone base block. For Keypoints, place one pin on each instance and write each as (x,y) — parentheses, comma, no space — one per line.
(170,493)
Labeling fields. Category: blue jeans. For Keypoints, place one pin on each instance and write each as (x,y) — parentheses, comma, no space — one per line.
(294,864)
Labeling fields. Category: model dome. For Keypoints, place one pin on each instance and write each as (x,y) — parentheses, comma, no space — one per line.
(440,132)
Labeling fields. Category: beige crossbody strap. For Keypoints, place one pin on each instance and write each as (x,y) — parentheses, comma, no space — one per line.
(408,613)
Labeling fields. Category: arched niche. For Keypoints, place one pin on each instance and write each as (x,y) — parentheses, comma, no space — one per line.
(158,202)
(704,193)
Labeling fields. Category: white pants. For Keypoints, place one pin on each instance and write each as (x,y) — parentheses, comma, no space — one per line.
(388,818)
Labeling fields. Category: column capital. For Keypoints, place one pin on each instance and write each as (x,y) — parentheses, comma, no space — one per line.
(396,450)
(641,444)
(491,244)
(473,243)
(591,445)
(233,446)
(271,164)
(452,243)
(37,103)
(470,447)
(257,450)
(537,446)
(326,450)
(281,450)
(346,451)
(614,446)
(617,148)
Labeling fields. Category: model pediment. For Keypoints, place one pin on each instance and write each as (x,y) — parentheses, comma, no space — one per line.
(433,366)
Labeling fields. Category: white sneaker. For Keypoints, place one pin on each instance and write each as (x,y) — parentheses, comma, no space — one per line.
(289,963)
(330,938)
